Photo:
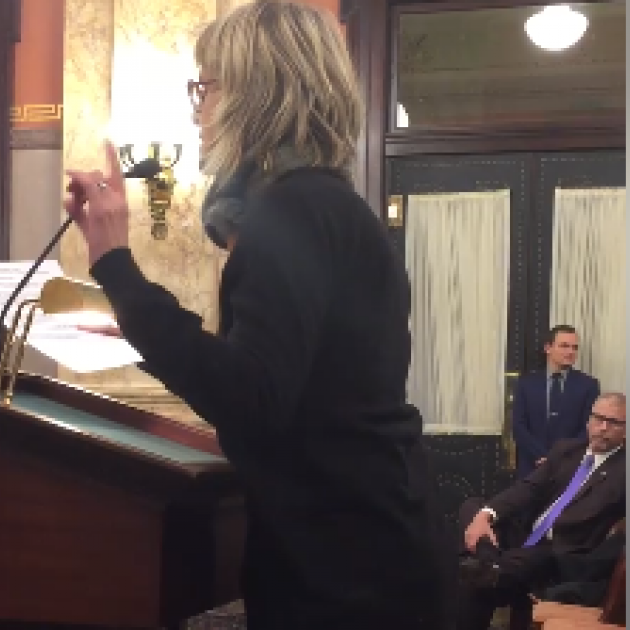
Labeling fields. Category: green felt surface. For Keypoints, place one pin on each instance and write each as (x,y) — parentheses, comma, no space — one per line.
(119,433)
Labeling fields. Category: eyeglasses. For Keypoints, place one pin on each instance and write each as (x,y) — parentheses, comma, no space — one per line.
(198,90)
(613,422)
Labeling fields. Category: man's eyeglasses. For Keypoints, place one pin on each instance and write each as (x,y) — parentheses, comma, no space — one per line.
(613,422)
(198,90)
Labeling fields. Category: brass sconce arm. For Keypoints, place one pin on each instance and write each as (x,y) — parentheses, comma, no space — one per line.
(58,295)
(13,349)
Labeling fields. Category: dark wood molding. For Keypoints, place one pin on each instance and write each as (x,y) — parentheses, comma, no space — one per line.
(9,35)
(377,112)
(24,139)
(16,10)
(367,30)
(551,135)
(434,6)
(370,37)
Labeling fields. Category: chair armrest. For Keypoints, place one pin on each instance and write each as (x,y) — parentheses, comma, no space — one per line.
(618,528)
(614,608)
(544,611)
(571,624)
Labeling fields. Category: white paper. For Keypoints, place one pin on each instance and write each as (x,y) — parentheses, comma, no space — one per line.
(82,351)
(12,272)
(57,336)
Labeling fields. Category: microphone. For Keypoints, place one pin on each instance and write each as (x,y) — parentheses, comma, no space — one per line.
(146,169)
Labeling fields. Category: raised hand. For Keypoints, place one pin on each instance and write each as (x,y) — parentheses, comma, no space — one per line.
(98,204)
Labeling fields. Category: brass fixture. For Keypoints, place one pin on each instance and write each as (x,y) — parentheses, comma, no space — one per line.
(58,295)
(507,439)
(160,187)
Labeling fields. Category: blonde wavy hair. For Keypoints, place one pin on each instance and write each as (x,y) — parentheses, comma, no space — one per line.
(284,77)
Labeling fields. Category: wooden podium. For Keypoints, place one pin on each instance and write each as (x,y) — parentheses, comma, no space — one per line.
(110,516)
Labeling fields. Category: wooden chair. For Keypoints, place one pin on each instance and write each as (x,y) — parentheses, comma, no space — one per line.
(614,608)
(612,614)
(569,624)
(547,611)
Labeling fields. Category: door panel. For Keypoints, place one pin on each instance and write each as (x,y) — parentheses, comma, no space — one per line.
(464,465)
(595,169)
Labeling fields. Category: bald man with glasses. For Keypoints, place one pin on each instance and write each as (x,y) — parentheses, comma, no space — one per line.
(577,495)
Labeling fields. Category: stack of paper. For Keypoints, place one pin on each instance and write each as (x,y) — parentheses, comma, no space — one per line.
(57,336)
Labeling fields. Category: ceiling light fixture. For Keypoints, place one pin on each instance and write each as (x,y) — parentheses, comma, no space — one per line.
(557,27)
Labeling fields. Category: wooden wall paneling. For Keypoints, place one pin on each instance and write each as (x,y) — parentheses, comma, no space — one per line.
(367,28)
(103,532)
(592,134)
(9,35)
(351,17)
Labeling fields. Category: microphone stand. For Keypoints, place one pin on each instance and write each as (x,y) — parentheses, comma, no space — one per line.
(145,169)
(29,274)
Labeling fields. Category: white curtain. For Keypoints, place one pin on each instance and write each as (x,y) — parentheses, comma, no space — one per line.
(457,254)
(588,278)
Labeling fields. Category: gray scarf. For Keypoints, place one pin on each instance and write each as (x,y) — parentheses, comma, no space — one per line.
(224,207)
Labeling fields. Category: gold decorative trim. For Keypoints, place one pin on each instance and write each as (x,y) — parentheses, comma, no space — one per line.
(36,113)
(51,139)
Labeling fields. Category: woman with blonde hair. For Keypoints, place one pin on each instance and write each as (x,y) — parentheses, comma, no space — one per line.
(305,380)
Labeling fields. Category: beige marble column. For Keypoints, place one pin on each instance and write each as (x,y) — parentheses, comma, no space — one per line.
(125,71)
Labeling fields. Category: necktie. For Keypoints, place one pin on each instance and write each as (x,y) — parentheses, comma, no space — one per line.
(555,395)
(565,498)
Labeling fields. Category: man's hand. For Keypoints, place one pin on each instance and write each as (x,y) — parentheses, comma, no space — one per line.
(480,527)
(540,461)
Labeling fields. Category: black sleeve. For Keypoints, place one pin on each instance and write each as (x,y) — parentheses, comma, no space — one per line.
(280,285)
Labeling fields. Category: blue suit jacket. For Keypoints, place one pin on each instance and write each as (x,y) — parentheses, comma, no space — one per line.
(533,434)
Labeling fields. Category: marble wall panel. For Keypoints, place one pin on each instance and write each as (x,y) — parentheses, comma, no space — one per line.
(125,70)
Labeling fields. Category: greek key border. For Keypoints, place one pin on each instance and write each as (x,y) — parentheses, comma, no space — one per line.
(35,113)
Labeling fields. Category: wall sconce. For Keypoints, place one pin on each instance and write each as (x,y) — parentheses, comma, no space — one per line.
(395,212)
(160,185)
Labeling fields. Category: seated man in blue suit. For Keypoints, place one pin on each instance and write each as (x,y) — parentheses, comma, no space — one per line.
(553,403)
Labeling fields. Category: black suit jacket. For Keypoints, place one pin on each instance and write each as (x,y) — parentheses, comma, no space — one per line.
(534,434)
(586,521)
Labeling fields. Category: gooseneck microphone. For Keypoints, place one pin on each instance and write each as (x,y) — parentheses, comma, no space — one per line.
(146,169)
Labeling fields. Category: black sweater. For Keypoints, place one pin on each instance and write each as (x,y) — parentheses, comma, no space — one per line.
(305,384)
